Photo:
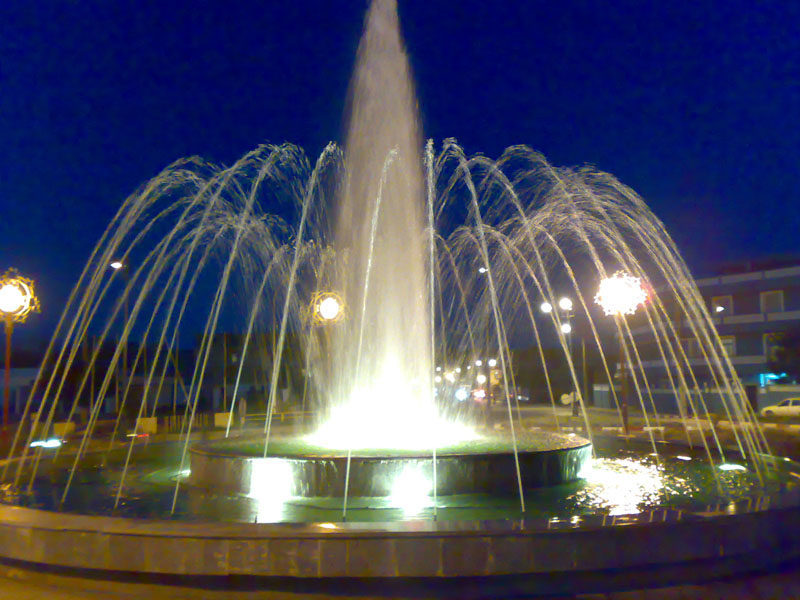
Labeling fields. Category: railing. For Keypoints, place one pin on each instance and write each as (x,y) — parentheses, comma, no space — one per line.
(175,423)
(281,417)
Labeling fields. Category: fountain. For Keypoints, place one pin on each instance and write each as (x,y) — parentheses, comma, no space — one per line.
(375,286)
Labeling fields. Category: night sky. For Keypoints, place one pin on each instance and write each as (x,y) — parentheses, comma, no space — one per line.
(694,104)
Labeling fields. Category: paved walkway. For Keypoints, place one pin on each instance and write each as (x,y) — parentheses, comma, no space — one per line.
(783,584)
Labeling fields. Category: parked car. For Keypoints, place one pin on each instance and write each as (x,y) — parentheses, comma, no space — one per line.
(787,408)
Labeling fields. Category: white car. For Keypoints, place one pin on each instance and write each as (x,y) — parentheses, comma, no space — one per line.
(787,408)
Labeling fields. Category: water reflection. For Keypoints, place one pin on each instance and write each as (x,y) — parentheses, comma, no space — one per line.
(620,485)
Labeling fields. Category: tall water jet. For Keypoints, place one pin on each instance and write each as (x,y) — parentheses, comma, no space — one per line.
(382,350)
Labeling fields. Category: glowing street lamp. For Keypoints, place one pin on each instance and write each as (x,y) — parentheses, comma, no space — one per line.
(17,300)
(565,305)
(620,295)
(327,307)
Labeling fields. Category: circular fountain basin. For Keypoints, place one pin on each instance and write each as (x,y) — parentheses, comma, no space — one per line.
(486,465)
(745,528)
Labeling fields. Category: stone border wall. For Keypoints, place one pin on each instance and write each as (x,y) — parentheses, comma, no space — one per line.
(414,549)
(374,476)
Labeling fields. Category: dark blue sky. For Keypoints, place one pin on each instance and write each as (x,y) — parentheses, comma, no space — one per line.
(694,104)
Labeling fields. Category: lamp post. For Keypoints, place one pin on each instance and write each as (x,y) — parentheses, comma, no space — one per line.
(117,266)
(17,300)
(325,308)
(564,304)
(620,295)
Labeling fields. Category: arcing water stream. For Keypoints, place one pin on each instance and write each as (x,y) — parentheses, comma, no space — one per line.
(441,258)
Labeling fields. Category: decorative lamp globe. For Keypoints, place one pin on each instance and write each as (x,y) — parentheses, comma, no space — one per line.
(620,294)
(11,298)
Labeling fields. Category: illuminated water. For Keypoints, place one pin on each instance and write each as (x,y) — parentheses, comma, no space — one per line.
(620,482)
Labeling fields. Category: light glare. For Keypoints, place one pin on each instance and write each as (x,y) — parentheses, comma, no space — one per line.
(11,298)
(329,308)
(411,491)
(51,443)
(389,412)
(271,486)
(731,467)
(546,307)
(565,303)
(620,294)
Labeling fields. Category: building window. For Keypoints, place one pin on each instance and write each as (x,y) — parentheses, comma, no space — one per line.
(722,305)
(772,342)
(729,344)
(772,301)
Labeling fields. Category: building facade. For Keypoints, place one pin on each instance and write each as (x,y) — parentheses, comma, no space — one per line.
(751,311)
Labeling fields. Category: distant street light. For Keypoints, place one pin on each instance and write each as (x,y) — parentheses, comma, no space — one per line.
(17,300)
(620,295)
(118,265)
(719,309)
(565,305)
(493,362)
(481,379)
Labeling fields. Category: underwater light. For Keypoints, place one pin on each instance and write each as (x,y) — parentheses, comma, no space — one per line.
(271,482)
(411,490)
(51,443)
(731,467)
